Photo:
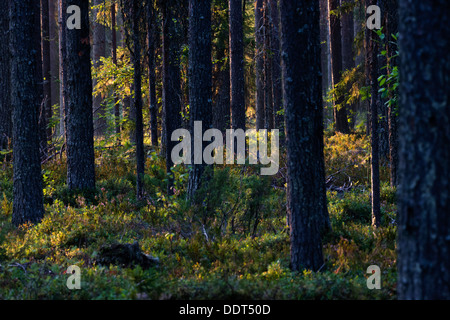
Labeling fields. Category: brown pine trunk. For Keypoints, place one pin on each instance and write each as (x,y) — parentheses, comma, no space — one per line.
(424,163)
(259,66)
(5,86)
(98,50)
(26,82)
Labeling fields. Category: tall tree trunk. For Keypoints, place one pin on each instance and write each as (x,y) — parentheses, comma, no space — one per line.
(5,86)
(374,105)
(26,82)
(54,55)
(114,59)
(46,66)
(268,62)
(276,66)
(237,81)
(259,65)
(136,13)
(392,28)
(424,153)
(98,50)
(325,47)
(62,69)
(340,112)
(348,62)
(306,194)
(78,86)
(37,38)
(200,85)
(151,35)
(171,82)
(221,113)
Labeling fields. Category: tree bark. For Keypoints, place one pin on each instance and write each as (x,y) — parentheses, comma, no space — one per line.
(340,112)
(98,50)
(200,86)
(46,66)
(259,65)
(114,59)
(348,62)
(62,71)
(78,86)
(302,92)
(424,151)
(26,81)
(268,62)
(171,82)
(151,35)
(5,85)
(237,82)
(276,66)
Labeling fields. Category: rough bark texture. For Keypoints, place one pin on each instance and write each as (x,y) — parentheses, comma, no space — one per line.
(237,65)
(151,35)
(25,83)
(114,59)
(259,65)
(78,87)
(171,81)
(424,164)
(62,68)
(46,66)
(340,113)
(374,106)
(392,28)
(276,66)
(200,84)
(325,47)
(5,86)
(306,195)
(268,61)
(348,62)
(136,13)
(98,51)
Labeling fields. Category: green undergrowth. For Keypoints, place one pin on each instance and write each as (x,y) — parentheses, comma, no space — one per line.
(235,245)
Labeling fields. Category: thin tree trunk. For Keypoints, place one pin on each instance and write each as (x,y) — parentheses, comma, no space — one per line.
(98,50)
(306,194)
(237,65)
(268,62)
(46,66)
(276,66)
(62,71)
(348,62)
(26,81)
(151,34)
(5,85)
(259,65)
(424,163)
(374,102)
(340,112)
(114,59)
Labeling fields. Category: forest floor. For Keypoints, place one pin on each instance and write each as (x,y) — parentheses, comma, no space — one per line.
(234,246)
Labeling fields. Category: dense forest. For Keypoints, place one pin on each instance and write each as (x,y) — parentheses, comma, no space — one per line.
(224,149)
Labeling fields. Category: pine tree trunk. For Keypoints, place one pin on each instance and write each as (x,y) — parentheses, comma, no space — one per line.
(171,82)
(46,66)
(424,151)
(78,87)
(306,195)
(268,62)
(348,62)
(5,86)
(62,68)
(237,65)
(200,85)
(98,51)
(54,55)
(340,112)
(26,82)
(114,59)
(151,34)
(259,65)
(276,66)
